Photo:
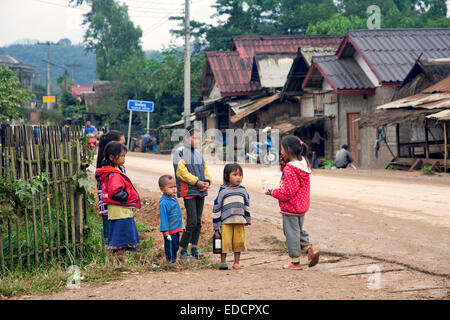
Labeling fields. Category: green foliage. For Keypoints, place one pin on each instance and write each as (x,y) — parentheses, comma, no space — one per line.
(17,194)
(270,17)
(326,164)
(428,171)
(111,35)
(337,24)
(54,116)
(12,96)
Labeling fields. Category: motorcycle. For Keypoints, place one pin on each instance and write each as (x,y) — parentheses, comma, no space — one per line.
(265,151)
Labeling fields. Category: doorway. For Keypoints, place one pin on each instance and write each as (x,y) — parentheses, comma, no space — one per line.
(353,141)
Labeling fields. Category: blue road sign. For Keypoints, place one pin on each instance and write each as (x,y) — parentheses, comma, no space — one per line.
(136,105)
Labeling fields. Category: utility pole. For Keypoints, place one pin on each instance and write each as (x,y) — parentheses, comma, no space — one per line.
(49,91)
(187,67)
(73,66)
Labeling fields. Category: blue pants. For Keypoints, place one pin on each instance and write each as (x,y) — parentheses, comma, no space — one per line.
(171,247)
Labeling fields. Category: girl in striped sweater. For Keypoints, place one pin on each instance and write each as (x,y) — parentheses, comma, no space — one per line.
(231,214)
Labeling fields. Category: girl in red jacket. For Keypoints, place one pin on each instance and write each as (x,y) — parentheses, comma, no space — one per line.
(294,196)
(121,196)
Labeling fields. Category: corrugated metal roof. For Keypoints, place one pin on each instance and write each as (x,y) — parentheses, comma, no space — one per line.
(253,107)
(443,115)
(76,90)
(392,52)
(248,45)
(424,101)
(286,126)
(273,68)
(441,86)
(300,67)
(231,72)
(342,73)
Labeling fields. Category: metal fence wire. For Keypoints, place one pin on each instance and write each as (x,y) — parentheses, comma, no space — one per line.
(52,219)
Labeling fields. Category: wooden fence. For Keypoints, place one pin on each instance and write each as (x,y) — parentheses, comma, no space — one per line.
(54,220)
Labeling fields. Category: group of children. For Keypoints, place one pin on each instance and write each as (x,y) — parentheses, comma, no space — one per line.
(117,196)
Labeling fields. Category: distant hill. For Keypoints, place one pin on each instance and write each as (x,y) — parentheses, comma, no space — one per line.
(62,54)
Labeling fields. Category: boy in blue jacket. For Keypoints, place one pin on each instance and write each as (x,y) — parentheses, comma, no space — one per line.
(171,218)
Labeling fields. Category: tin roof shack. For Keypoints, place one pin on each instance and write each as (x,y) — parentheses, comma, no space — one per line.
(228,85)
(366,72)
(101,90)
(24,72)
(421,125)
(77,90)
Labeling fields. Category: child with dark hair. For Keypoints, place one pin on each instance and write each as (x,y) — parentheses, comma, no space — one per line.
(294,198)
(121,196)
(105,138)
(171,218)
(231,214)
(193,181)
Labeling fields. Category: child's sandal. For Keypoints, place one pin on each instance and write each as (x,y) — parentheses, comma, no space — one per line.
(237,266)
(313,257)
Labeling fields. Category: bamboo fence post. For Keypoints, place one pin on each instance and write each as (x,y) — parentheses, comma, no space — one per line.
(33,202)
(22,176)
(50,229)
(41,206)
(61,150)
(9,174)
(71,195)
(446,146)
(19,249)
(53,156)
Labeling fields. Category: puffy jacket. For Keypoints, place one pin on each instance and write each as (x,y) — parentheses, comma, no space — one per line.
(189,167)
(294,191)
(117,188)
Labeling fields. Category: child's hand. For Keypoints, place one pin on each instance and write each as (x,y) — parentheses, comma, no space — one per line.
(165,233)
(269,192)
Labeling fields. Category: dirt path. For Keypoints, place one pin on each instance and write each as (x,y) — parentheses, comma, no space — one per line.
(395,225)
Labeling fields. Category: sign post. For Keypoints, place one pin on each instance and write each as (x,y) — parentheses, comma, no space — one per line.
(142,106)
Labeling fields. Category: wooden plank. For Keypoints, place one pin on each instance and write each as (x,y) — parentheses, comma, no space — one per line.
(22,176)
(446,146)
(68,150)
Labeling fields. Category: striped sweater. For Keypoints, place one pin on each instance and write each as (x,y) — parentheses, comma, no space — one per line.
(231,202)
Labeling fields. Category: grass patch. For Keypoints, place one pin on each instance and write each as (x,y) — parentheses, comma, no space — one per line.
(52,277)
(277,245)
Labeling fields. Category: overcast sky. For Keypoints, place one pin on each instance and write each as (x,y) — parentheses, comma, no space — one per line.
(51,20)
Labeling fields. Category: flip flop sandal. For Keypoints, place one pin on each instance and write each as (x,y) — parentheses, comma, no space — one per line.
(314,258)
(223,266)
(293,266)
(237,267)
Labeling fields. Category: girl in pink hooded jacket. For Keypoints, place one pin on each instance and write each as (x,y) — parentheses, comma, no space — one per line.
(294,197)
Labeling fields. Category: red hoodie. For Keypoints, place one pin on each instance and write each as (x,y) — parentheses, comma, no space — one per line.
(294,191)
(117,188)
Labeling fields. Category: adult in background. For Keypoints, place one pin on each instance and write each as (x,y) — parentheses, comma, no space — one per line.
(145,141)
(343,158)
(91,133)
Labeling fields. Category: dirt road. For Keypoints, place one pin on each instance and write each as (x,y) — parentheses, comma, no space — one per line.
(395,224)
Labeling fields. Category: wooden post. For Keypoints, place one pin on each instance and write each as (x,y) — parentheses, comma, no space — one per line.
(41,206)
(68,150)
(397,133)
(22,176)
(28,139)
(54,177)
(446,146)
(427,147)
(13,175)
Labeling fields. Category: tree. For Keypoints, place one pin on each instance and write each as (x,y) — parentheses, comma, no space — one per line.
(256,17)
(338,24)
(12,96)
(111,35)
